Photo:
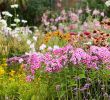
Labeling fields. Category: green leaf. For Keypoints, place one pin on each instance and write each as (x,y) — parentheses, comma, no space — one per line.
(82,76)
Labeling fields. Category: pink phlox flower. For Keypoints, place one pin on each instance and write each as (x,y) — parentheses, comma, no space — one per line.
(29,78)
(58,51)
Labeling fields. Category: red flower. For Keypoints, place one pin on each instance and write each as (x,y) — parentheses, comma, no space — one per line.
(87,33)
(72,33)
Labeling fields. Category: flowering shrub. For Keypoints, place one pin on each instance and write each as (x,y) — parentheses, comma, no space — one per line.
(55,60)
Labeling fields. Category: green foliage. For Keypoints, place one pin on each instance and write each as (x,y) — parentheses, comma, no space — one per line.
(36,8)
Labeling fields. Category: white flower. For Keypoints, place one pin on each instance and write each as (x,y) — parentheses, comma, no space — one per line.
(14,6)
(35,38)
(32,46)
(107,3)
(102,14)
(96,12)
(88,10)
(49,49)
(13,24)
(42,47)
(24,21)
(55,47)
(28,42)
(53,27)
(21,60)
(16,35)
(46,23)
(37,30)
(80,11)
(6,13)
(9,29)
(17,28)
(3,23)
(16,20)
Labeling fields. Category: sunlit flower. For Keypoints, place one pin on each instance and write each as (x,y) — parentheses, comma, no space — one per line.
(3,23)
(107,3)
(11,79)
(24,21)
(14,6)
(16,20)
(4,65)
(2,71)
(6,13)
(13,25)
(12,73)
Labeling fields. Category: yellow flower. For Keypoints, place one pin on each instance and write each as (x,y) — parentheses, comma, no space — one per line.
(19,75)
(2,71)
(4,65)
(4,59)
(66,36)
(12,73)
(11,79)
(39,79)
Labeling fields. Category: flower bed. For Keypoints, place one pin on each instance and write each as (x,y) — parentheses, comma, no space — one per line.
(63,59)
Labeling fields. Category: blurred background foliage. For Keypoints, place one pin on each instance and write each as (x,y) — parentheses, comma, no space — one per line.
(32,10)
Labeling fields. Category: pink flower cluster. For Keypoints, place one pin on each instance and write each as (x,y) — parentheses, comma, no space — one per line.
(57,59)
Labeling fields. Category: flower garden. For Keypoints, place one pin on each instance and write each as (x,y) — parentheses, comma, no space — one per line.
(66,57)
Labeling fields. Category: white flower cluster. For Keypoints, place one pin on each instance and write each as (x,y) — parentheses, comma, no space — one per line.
(43,47)
(6,13)
(14,6)
(24,21)
(16,20)
(3,23)
(107,3)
